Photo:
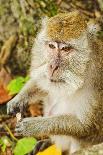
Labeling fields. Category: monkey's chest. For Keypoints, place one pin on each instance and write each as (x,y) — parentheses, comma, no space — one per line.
(58,105)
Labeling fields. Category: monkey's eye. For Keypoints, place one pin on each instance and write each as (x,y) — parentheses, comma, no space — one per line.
(68,48)
(51,46)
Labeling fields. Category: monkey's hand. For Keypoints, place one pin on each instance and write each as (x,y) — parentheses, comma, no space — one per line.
(41,146)
(20,101)
(53,125)
(17,104)
(33,126)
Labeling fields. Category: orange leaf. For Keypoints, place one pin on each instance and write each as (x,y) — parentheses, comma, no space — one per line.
(4,96)
(5,77)
(36,109)
(52,150)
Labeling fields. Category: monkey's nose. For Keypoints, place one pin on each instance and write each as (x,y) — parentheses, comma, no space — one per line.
(53,68)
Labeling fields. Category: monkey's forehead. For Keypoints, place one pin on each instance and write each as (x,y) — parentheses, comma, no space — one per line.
(66,26)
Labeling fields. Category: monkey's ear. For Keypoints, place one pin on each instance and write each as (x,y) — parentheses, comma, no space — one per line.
(93,28)
(44,22)
(42,33)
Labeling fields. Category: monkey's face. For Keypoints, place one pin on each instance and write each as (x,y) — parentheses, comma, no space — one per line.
(58,59)
(67,58)
(64,45)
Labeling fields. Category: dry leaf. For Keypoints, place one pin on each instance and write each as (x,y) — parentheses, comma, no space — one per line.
(7,48)
(36,109)
(5,77)
(4,96)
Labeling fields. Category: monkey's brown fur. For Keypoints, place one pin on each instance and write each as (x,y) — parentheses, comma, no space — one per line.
(66,25)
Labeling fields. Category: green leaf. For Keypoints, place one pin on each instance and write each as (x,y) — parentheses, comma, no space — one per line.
(3,148)
(24,145)
(1,142)
(26,78)
(16,85)
(4,142)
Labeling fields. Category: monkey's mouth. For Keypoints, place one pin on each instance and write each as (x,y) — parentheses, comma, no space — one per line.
(57,81)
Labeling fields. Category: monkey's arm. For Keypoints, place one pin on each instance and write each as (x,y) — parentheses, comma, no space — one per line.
(30,91)
(54,125)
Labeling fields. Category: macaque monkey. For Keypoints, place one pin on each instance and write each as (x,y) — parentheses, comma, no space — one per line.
(67,75)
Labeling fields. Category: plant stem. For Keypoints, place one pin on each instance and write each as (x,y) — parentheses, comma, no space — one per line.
(11,134)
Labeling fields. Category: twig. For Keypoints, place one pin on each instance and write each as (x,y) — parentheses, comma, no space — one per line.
(5,116)
(11,134)
(22,4)
(100,4)
(7,49)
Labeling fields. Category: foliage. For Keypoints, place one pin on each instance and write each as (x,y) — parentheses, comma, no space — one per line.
(4,142)
(15,85)
(27,26)
(24,146)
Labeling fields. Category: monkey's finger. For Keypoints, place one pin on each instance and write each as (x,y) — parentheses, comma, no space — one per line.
(22,108)
(10,108)
(36,148)
(19,130)
(41,145)
(45,145)
(19,124)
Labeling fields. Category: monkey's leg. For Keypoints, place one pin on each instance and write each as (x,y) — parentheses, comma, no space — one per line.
(19,102)
(41,146)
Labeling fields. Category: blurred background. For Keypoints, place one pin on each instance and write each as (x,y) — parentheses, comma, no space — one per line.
(20,20)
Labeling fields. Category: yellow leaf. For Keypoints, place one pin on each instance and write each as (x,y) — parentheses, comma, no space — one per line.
(52,150)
